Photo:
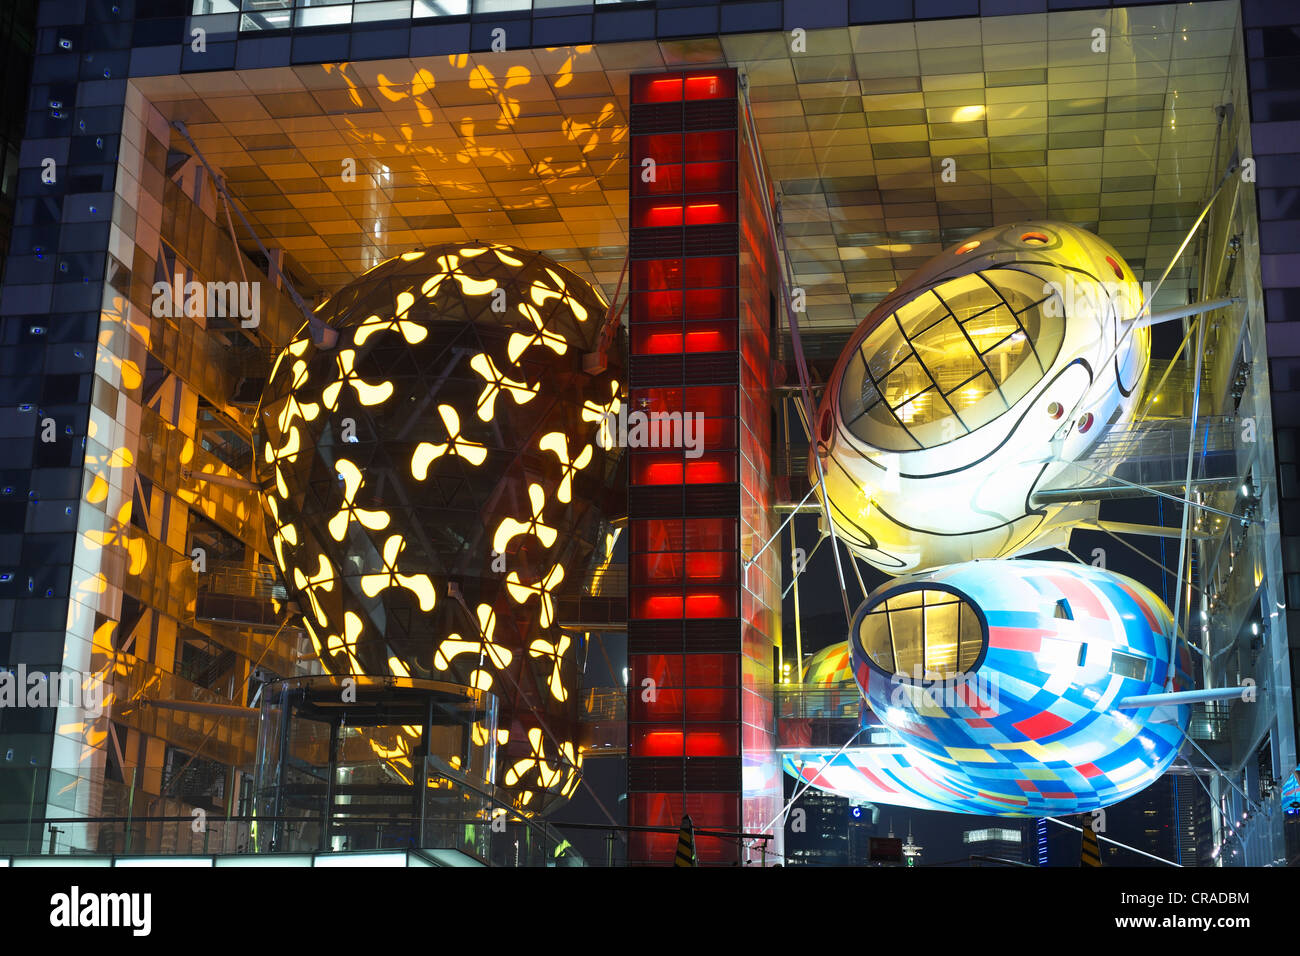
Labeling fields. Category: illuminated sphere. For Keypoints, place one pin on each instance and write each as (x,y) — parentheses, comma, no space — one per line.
(434,481)
(976,383)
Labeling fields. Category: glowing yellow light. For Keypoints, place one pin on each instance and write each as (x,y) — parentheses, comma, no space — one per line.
(510,528)
(426,452)
(556,651)
(352,628)
(521,592)
(505,258)
(292,407)
(352,483)
(450,269)
(558,443)
(413,332)
(520,343)
(417,584)
(366,394)
(455,645)
(604,415)
(322,579)
(536,760)
(497,381)
(541,295)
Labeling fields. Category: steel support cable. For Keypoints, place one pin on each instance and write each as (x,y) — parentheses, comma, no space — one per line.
(1122,846)
(1226,826)
(322,334)
(1143,554)
(794,578)
(1187,512)
(783,259)
(808,785)
(1146,306)
(1220,771)
(1154,491)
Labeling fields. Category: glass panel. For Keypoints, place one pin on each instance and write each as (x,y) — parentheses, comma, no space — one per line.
(977,402)
(1127,665)
(922,344)
(972,638)
(947,354)
(858,393)
(933,634)
(907,628)
(906,599)
(941,639)
(874,635)
(967,296)
(902,383)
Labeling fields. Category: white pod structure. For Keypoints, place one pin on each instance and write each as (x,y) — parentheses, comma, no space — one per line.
(989,370)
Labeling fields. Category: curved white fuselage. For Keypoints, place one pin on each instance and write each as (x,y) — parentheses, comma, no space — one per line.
(967,493)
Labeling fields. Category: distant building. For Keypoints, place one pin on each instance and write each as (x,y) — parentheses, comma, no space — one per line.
(831,831)
(1002,843)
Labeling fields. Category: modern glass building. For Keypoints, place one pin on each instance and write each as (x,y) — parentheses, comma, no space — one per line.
(714,169)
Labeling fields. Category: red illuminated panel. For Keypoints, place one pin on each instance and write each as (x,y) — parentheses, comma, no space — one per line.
(710,670)
(668,339)
(663,148)
(713,401)
(657,469)
(667,567)
(707,177)
(711,86)
(712,469)
(663,339)
(711,567)
(656,740)
(656,89)
(713,147)
(655,702)
(720,337)
(701,211)
(686,670)
(657,306)
(705,304)
(712,740)
(655,604)
(710,273)
(719,433)
(711,703)
(656,534)
(673,468)
(710,603)
(656,275)
(711,534)
(664,669)
(668,180)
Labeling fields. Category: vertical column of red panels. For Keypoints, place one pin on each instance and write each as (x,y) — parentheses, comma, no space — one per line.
(684,646)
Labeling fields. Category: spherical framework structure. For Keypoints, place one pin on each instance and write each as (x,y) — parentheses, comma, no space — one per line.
(438,477)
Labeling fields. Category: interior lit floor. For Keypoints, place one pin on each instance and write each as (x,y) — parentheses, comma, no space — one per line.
(531,147)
